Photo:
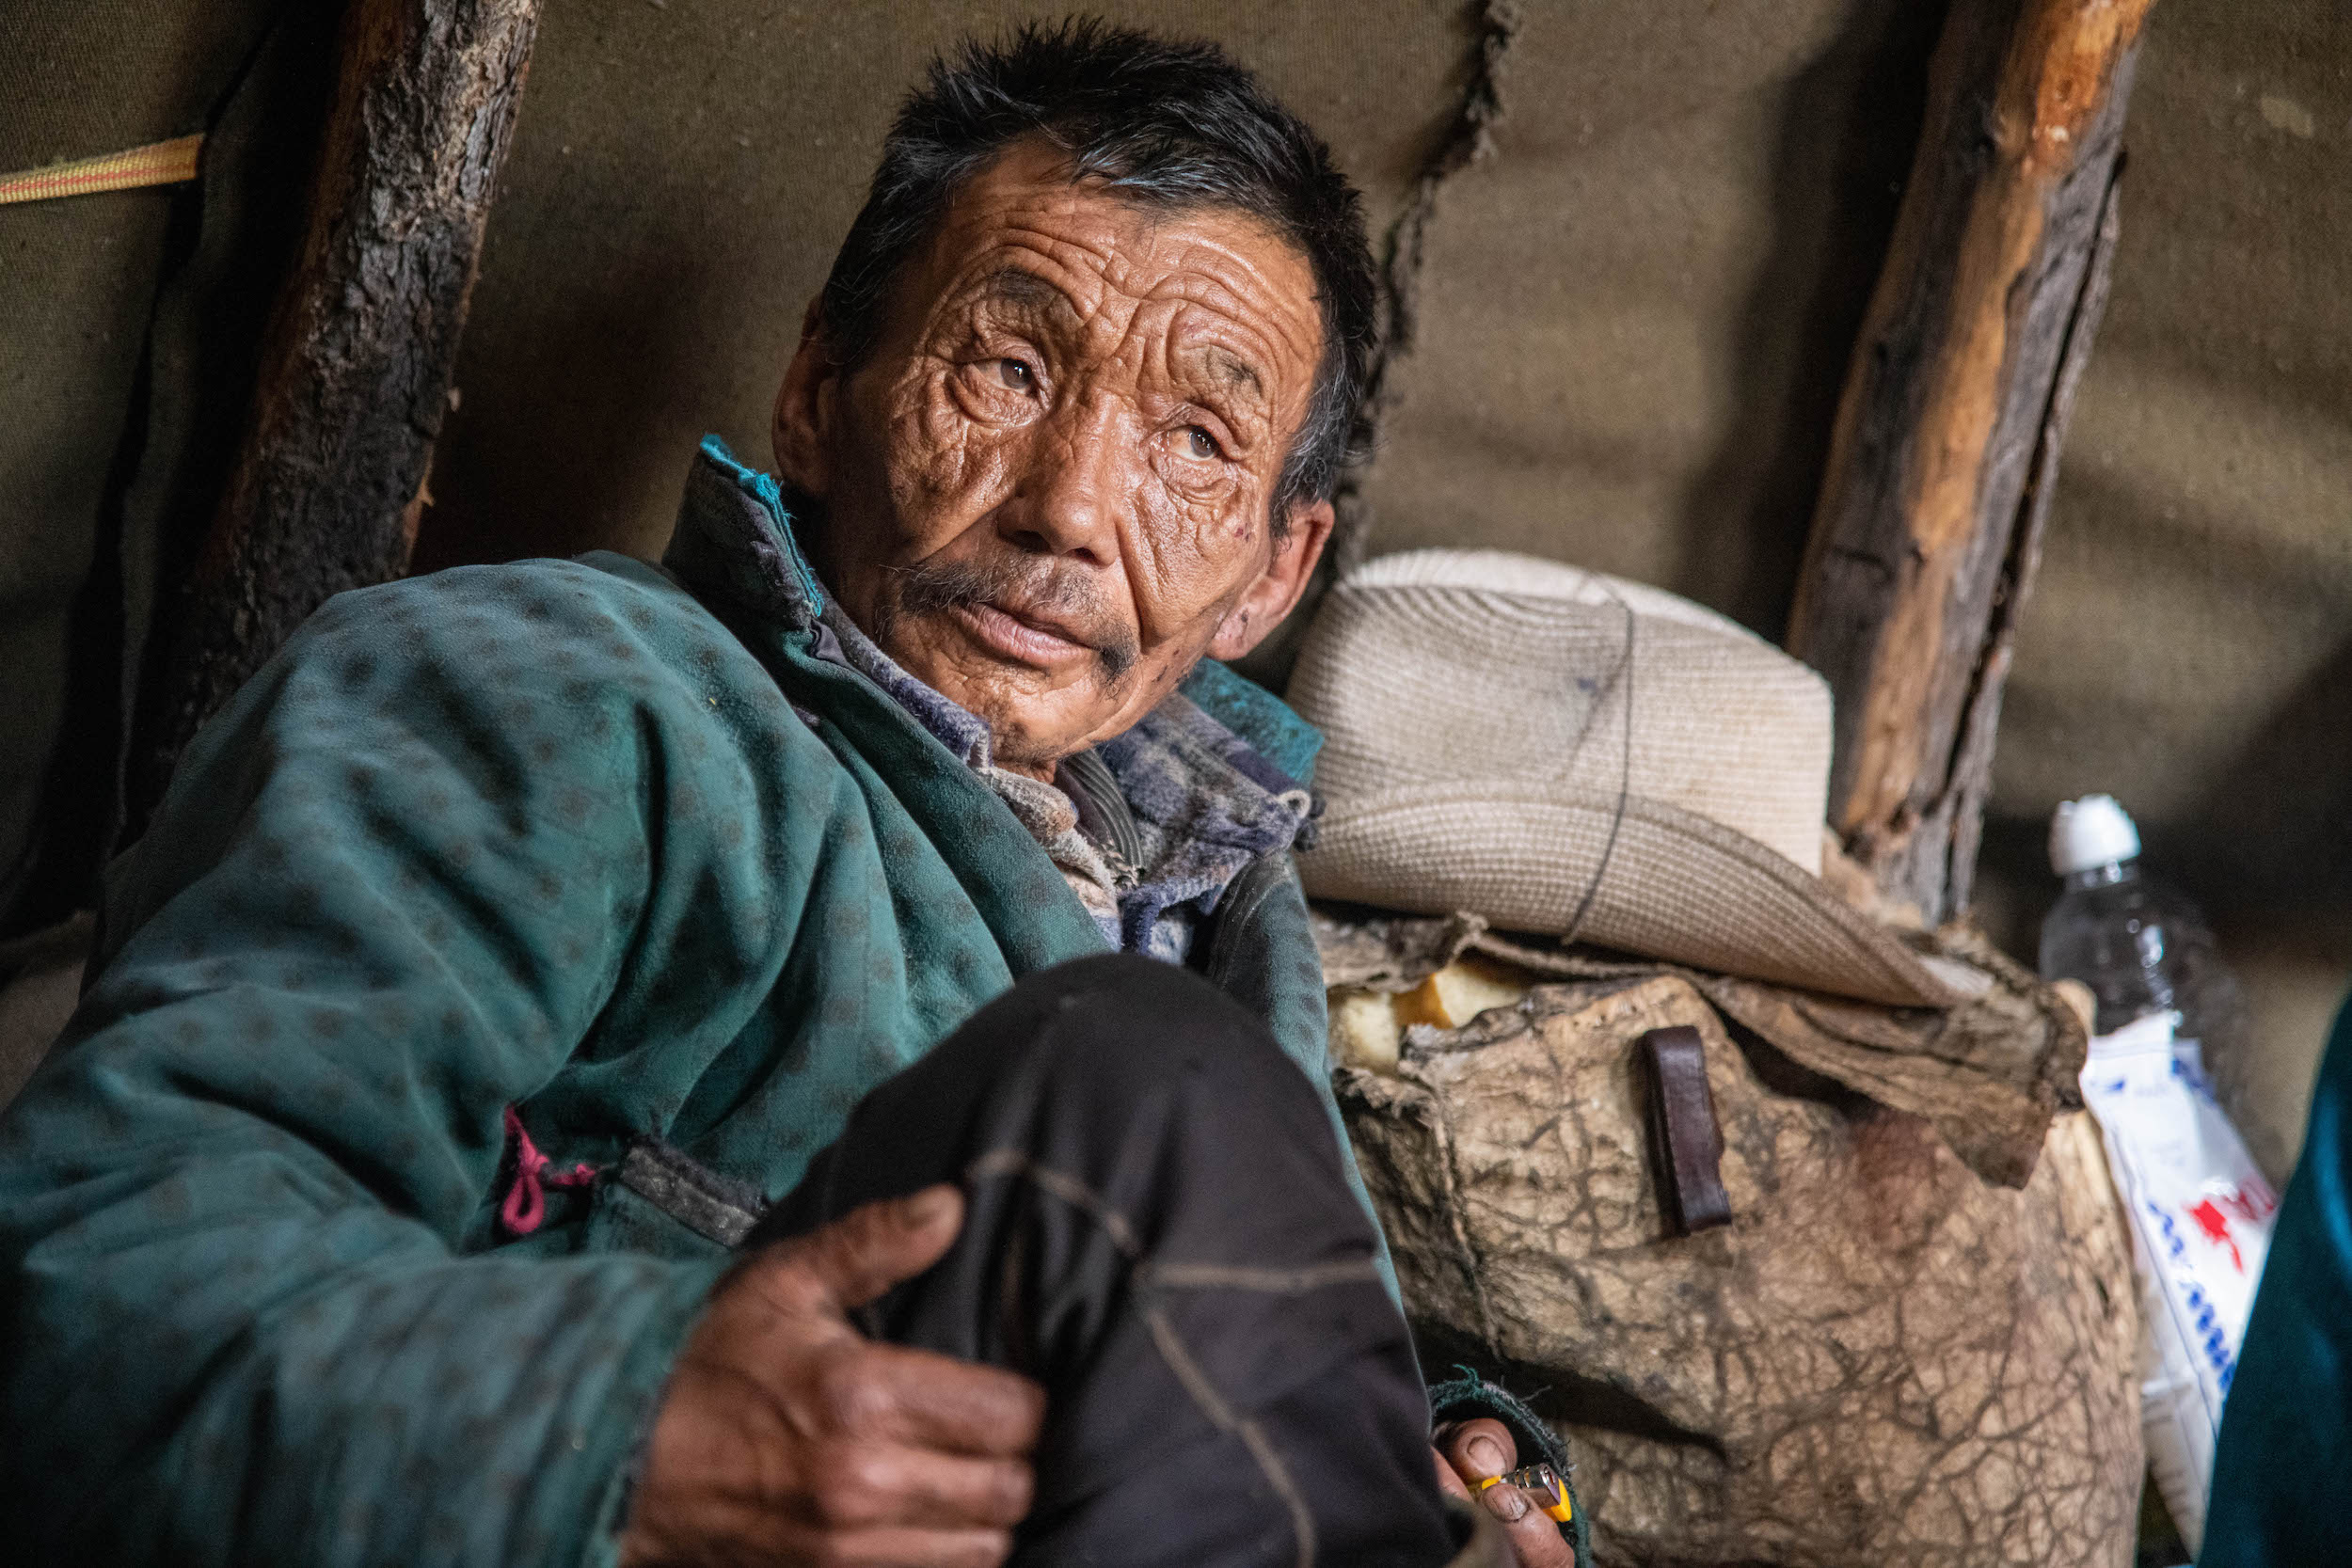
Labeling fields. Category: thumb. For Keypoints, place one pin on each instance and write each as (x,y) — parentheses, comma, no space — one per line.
(869,1249)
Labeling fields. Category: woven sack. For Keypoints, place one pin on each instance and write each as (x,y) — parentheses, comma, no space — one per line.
(1885,1358)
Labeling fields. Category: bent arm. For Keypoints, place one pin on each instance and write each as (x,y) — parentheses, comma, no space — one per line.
(388,896)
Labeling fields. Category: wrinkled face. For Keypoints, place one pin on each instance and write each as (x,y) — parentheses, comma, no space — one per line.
(1046,490)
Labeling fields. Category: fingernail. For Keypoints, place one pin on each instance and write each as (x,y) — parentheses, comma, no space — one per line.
(923,1210)
(1505,1502)
(1487,1455)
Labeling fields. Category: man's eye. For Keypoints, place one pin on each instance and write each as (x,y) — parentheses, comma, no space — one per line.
(1199,443)
(1017,375)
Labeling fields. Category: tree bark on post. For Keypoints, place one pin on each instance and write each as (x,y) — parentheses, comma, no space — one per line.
(1928,533)
(355,375)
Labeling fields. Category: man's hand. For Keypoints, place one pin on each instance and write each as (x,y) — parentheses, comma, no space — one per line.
(1470,1451)
(788,1437)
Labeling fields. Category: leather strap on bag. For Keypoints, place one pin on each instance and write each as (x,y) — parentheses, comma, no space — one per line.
(1684,1134)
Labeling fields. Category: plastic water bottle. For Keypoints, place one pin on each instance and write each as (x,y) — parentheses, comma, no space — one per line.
(2198,1209)
(2141,946)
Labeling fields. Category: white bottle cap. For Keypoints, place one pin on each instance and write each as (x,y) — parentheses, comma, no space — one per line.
(2093,831)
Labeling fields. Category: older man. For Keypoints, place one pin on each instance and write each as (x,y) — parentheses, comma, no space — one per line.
(597,1061)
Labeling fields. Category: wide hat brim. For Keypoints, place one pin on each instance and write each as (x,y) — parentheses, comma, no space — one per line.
(1671,884)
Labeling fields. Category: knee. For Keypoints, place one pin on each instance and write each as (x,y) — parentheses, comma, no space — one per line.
(1146,1000)
(1130,1023)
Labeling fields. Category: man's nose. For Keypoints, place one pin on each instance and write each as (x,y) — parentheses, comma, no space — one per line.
(1082,477)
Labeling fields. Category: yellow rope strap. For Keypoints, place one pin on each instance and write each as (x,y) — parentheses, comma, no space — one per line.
(162,163)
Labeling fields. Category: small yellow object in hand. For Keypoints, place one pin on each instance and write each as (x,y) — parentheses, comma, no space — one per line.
(1551,1492)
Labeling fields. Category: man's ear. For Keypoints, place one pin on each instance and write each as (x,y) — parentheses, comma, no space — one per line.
(1264,602)
(806,407)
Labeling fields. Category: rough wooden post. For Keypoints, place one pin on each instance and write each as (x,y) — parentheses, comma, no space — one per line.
(1947,441)
(355,376)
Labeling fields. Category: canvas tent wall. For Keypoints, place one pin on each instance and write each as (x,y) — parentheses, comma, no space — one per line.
(1635,319)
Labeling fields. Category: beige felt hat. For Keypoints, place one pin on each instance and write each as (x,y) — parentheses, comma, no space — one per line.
(1565,752)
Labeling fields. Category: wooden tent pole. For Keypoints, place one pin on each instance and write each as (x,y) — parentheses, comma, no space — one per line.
(355,374)
(1928,533)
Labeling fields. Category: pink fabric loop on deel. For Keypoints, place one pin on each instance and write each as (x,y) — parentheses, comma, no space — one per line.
(527,1201)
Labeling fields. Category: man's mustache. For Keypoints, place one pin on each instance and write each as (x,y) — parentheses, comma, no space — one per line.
(1030,586)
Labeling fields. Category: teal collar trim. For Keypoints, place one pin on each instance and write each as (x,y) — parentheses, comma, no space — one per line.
(762,567)
(1257,716)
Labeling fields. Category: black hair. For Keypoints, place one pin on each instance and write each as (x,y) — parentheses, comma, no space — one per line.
(1163,123)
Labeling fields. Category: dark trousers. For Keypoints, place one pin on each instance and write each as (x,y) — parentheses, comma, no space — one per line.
(1159,1232)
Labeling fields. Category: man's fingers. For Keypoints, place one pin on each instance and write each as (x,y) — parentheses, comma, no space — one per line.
(920,1549)
(1475,1450)
(1478,1449)
(870,1486)
(929,1400)
(869,1249)
(1536,1541)
(759,1535)
(981,1491)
